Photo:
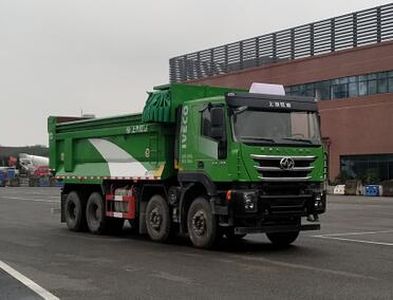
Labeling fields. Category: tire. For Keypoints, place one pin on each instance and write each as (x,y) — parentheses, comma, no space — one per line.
(282,239)
(230,235)
(158,221)
(74,212)
(95,214)
(201,224)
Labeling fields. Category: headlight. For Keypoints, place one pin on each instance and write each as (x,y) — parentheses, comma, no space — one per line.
(319,202)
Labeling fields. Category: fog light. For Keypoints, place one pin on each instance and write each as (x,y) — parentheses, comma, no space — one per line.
(250,202)
(318,201)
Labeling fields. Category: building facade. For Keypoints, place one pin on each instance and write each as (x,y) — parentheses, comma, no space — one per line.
(346,63)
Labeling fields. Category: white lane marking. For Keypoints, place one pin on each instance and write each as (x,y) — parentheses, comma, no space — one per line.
(354,233)
(353,240)
(28,282)
(341,237)
(303,267)
(31,200)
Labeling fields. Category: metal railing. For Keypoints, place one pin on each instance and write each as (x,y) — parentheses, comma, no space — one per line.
(360,28)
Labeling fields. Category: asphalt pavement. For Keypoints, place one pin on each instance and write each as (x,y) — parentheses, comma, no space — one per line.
(350,258)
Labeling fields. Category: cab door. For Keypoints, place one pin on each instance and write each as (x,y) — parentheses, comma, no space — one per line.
(211,142)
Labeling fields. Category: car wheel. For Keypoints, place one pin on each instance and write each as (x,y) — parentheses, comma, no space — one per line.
(158,221)
(74,212)
(201,224)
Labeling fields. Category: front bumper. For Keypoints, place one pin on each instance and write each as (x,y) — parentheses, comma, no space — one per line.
(276,228)
(250,202)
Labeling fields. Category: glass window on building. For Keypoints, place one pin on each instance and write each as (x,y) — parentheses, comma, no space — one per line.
(344,87)
(340,91)
(294,90)
(390,81)
(371,169)
(343,80)
(372,87)
(302,90)
(372,84)
(363,87)
(322,90)
(309,90)
(382,83)
(353,87)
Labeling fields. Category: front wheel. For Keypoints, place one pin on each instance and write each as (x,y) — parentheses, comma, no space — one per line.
(282,239)
(201,224)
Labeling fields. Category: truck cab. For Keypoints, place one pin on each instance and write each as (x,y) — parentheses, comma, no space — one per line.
(260,157)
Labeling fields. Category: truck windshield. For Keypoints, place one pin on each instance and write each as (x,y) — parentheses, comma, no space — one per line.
(268,127)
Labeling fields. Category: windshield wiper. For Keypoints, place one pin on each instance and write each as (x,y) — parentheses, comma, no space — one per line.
(297,140)
(257,138)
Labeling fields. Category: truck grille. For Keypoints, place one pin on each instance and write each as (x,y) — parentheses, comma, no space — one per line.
(274,168)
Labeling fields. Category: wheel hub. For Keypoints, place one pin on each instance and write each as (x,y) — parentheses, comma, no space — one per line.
(98,213)
(72,211)
(95,212)
(155,219)
(199,223)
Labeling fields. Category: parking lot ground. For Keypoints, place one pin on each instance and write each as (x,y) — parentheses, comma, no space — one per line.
(10,288)
(351,257)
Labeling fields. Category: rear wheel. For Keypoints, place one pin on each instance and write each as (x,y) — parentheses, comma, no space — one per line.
(74,212)
(97,222)
(158,221)
(201,223)
(282,239)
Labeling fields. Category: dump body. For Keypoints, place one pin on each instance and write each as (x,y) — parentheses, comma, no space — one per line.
(111,148)
(196,159)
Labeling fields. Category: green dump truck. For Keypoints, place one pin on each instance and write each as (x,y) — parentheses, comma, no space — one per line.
(200,161)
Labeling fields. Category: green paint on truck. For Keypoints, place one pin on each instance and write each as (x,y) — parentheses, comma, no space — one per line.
(205,160)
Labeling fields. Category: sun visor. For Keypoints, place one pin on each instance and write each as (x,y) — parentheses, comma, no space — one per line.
(267,89)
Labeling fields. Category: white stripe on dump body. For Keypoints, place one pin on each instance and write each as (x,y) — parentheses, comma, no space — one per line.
(120,162)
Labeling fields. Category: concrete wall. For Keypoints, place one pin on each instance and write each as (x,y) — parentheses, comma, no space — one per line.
(362,125)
